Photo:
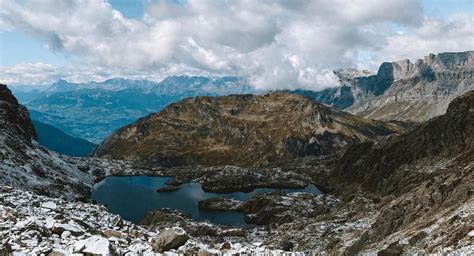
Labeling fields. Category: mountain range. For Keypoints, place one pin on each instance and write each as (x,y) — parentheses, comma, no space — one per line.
(92,111)
(99,108)
(390,187)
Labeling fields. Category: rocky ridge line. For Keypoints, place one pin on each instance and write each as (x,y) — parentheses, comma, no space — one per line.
(242,130)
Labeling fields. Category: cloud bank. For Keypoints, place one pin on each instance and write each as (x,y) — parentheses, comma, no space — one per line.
(275,44)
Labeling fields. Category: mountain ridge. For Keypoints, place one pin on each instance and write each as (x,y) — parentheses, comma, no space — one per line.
(92,112)
(423,89)
(372,96)
(222,130)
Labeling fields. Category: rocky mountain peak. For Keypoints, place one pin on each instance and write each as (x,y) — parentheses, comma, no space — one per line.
(405,69)
(395,70)
(403,90)
(416,92)
(13,116)
(242,130)
(449,59)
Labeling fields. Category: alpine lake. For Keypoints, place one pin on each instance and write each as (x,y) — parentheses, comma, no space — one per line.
(132,197)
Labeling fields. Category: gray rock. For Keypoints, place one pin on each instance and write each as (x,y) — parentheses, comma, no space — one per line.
(94,245)
(169,239)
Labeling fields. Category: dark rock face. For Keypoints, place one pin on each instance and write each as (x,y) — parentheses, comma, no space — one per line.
(14,115)
(425,171)
(446,136)
(243,130)
(24,164)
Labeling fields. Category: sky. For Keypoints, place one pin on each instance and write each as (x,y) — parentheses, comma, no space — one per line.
(275,44)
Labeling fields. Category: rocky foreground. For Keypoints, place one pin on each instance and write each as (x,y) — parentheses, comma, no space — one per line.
(34,224)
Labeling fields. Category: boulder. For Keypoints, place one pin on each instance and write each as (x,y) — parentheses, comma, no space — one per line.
(94,245)
(226,246)
(59,228)
(109,233)
(169,239)
(418,237)
(49,205)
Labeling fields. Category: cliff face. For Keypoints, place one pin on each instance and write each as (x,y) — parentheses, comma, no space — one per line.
(402,90)
(26,165)
(240,130)
(15,116)
(446,136)
(415,91)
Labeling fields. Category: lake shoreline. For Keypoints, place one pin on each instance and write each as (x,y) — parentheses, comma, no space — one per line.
(122,194)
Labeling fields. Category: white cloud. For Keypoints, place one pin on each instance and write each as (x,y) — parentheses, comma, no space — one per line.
(29,74)
(434,35)
(276,44)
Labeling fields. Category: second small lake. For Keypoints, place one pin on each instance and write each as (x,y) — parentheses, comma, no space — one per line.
(133,196)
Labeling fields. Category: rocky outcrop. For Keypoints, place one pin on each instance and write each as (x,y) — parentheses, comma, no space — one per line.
(243,130)
(447,136)
(418,91)
(233,178)
(402,90)
(275,207)
(169,218)
(167,188)
(164,216)
(14,116)
(23,163)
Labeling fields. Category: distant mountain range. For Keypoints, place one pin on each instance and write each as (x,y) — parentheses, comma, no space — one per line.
(92,111)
